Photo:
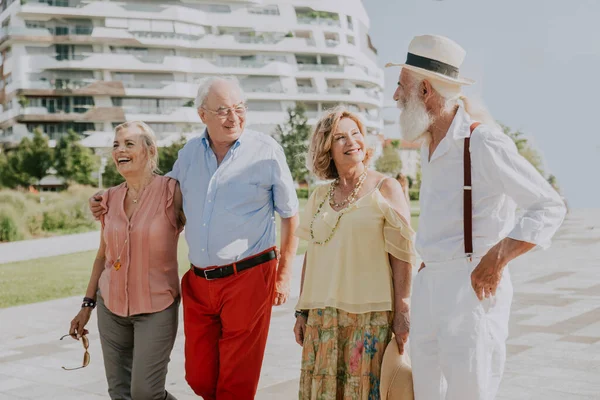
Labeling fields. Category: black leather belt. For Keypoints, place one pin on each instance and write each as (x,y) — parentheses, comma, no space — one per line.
(230,269)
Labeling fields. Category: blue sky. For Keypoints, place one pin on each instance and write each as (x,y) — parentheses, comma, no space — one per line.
(537,66)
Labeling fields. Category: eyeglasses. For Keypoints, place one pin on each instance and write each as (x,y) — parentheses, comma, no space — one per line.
(239,110)
(86,355)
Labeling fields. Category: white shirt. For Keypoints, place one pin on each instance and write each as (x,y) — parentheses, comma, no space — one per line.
(502,180)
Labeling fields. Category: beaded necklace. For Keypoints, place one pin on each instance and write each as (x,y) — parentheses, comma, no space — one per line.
(329,197)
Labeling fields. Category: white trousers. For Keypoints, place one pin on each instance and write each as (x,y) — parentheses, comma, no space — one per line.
(458,343)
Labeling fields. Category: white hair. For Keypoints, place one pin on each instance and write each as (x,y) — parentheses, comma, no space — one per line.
(452,94)
(206,84)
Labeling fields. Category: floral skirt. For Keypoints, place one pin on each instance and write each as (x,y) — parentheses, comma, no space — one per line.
(342,354)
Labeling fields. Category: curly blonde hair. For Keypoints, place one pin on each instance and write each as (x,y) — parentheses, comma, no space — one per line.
(319,160)
(149,141)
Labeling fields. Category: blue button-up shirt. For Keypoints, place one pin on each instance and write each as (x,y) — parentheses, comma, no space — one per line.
(230,207)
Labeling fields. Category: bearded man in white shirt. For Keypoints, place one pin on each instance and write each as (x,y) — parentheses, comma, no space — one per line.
(473,180)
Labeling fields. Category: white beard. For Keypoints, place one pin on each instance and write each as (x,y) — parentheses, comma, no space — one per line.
(414,119)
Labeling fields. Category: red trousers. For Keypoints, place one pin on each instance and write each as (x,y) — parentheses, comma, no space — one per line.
(226,322)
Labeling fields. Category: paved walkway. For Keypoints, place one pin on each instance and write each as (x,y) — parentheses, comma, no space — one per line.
(48,247)
(554,345)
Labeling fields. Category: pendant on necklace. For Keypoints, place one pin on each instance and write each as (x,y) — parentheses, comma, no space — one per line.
(134,201)
(117,265)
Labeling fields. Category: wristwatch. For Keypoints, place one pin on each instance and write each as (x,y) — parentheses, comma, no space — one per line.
(303,313)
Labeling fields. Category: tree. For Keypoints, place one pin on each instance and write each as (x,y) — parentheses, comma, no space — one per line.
(389,162)
(36,155)
(293,137)
(74,162)
(27,163)
(111,177)
(11,175)
(168,155)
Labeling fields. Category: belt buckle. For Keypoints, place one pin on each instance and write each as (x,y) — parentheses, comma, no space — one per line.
(204,271)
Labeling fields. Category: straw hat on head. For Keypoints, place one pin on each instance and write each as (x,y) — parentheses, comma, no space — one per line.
(436,57)
(396,374)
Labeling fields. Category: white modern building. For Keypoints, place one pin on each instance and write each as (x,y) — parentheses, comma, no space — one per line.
(89,65)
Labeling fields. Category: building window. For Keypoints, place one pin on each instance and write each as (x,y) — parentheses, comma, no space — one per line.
(219,8)
(350,40)
(266,10)
(350,24)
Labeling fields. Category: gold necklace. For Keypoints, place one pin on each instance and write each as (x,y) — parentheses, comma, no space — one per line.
(117,264)
(352,196)
(328,196)
(141,191)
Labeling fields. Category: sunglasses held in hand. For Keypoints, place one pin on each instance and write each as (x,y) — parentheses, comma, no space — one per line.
(86,355)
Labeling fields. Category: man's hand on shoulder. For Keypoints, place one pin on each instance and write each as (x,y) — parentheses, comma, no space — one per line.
(94,204)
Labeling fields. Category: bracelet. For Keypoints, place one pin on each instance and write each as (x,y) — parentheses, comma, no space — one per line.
(88,302)
(303,313)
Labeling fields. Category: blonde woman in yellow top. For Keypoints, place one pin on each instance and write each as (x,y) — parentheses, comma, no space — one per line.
(357,269)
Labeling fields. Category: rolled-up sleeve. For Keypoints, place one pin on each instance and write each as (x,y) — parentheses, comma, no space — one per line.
(542,208)
(285,200)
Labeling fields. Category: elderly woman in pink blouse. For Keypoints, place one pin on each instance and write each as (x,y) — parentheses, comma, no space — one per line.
(135,272)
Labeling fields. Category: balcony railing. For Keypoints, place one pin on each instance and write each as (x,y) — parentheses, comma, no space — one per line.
(55,84)
(239,63)
(72,57)
(321,67)
(339,90)
(77,109)
(149,110)
(319,21)
(144,85)
(152,58)
(57,3)
(265,89)
(332,43)
(257,39)
(307,89)
(166,35)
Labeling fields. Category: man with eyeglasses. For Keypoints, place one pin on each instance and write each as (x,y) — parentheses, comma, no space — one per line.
(233,180)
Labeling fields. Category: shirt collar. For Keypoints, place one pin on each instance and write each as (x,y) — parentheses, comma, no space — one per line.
(459,129)
(206,140)
(461,124)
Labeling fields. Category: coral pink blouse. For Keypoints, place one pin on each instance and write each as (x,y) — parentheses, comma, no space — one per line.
(146,247)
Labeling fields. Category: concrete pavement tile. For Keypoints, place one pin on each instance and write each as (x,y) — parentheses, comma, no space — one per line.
(10,382)
(550,277)
(592,330)
(513,349)
(580,339)
(284,390)
(97,386)
(44,391)
(6,396)
(533,339)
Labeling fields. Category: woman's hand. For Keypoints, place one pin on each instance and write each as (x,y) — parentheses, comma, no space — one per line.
(401,327)
(78,324)
(299,329)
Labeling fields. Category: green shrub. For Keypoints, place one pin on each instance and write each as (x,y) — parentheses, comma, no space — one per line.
(16,200)
(302,193)
(10,229)
(413,194)
(34,224)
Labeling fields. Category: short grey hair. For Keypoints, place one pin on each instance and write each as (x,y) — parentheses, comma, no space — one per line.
(206,84)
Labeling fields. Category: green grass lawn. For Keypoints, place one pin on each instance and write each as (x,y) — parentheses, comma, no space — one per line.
(50,278)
